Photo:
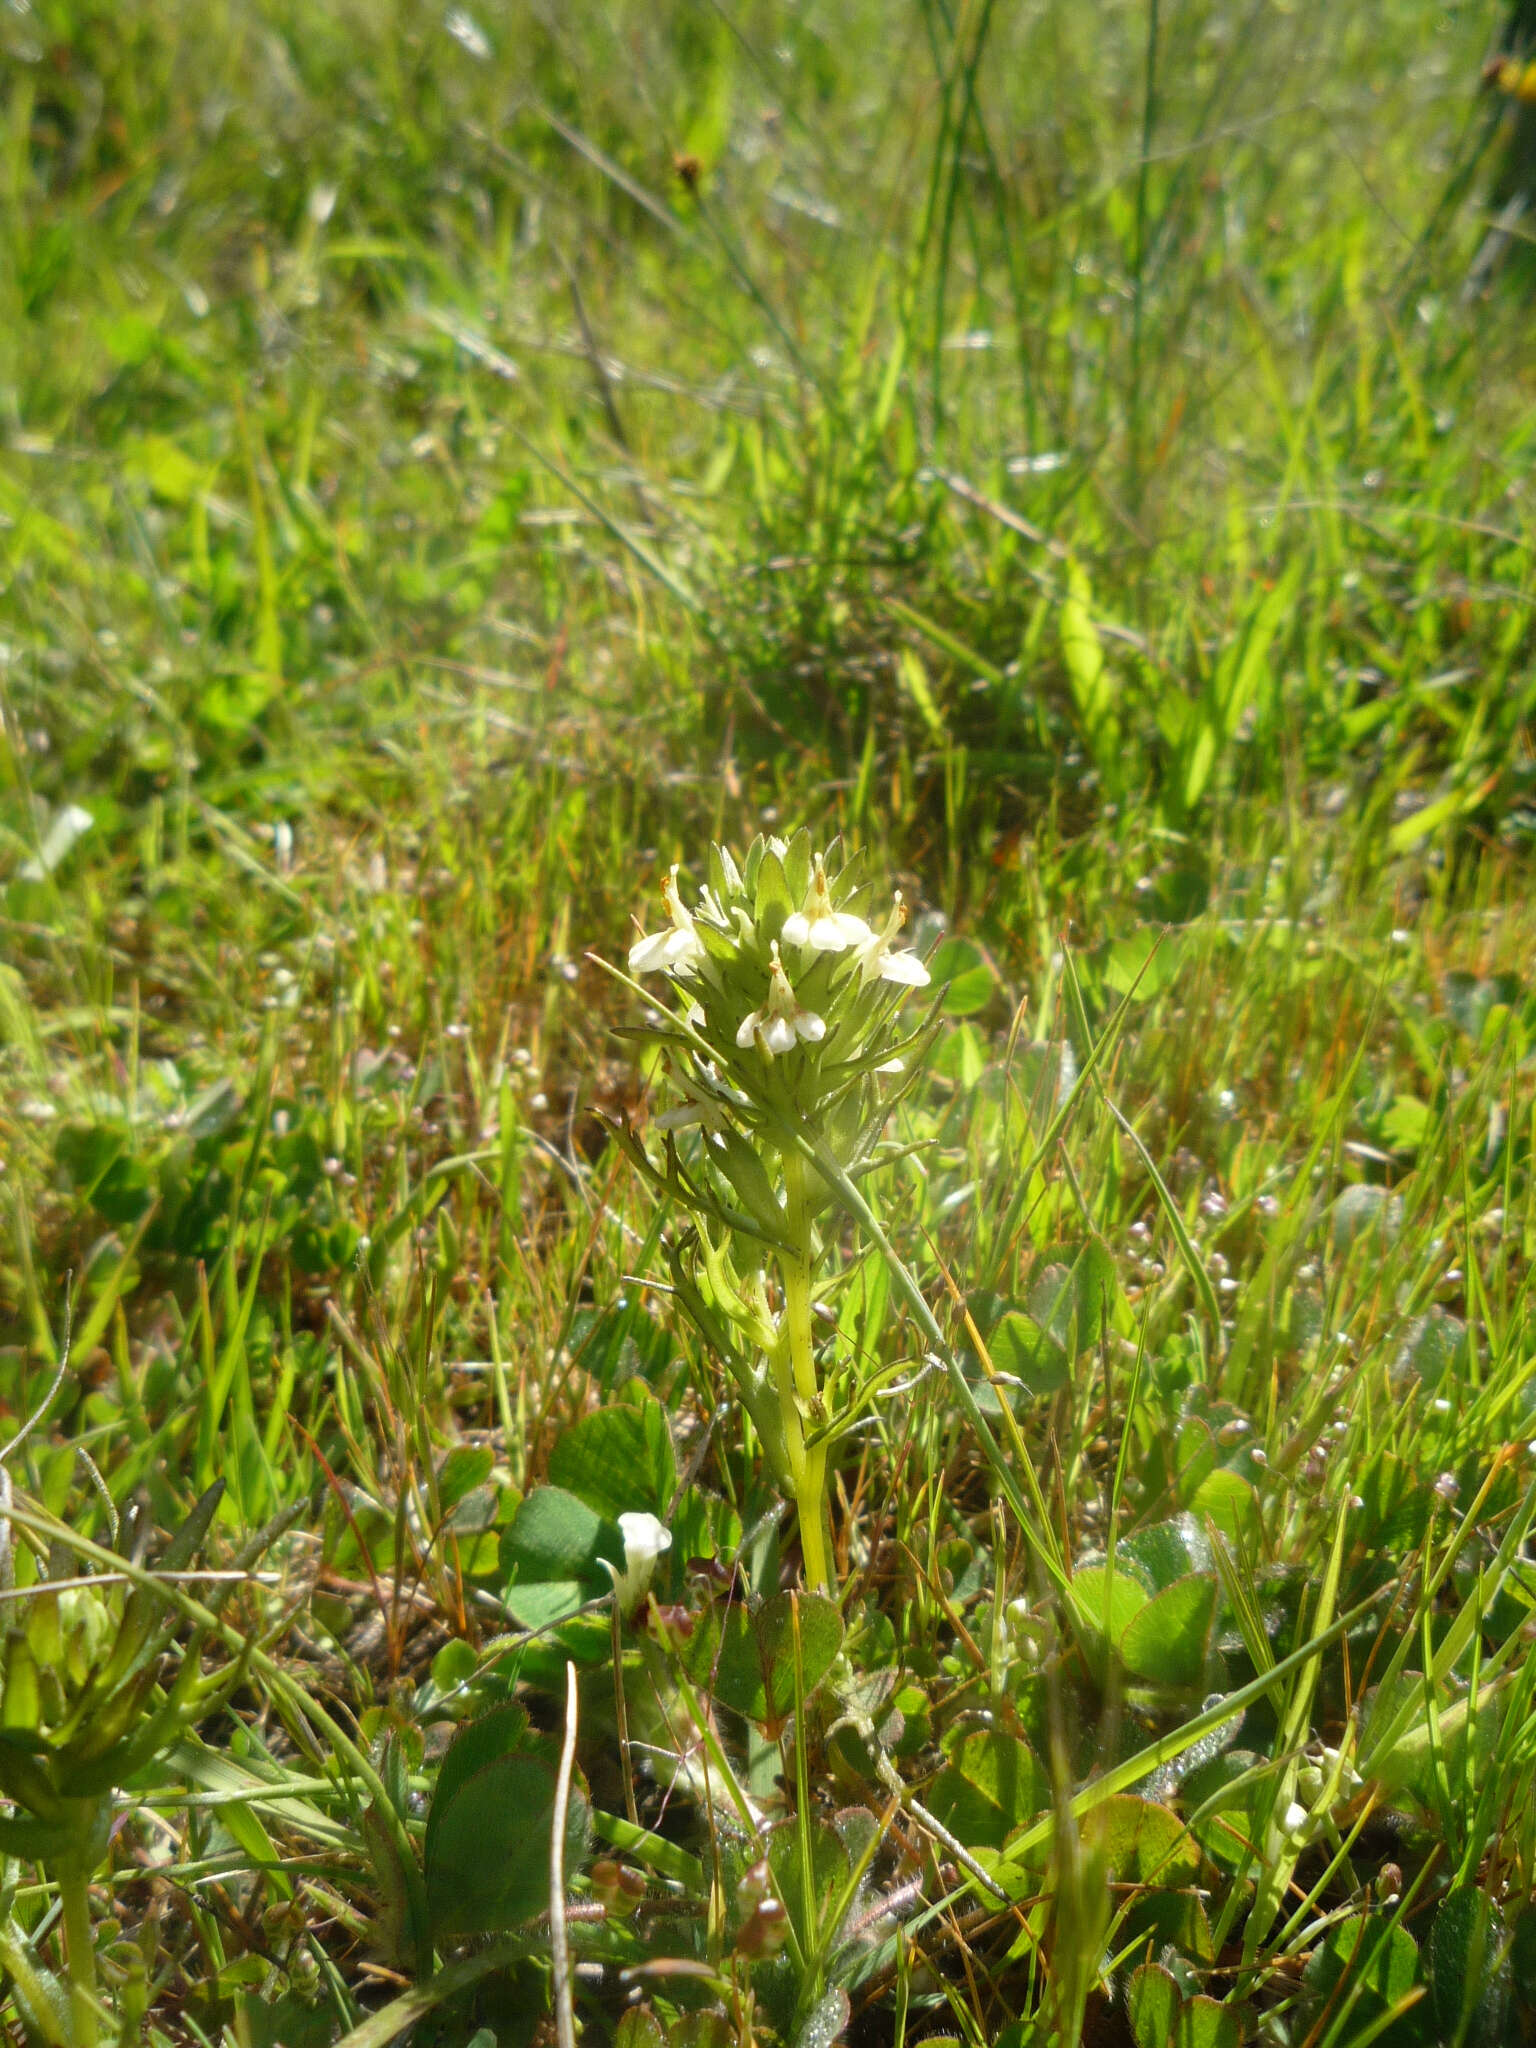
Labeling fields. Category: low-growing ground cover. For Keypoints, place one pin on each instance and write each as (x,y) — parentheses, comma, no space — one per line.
(458,464)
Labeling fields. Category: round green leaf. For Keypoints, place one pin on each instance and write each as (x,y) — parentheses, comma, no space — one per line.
(992,1784)
(618,1460)
(488,1835)
(971,981)
(1167,1640)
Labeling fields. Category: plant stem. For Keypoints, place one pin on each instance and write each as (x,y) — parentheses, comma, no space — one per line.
(798,1391)
(80,1952)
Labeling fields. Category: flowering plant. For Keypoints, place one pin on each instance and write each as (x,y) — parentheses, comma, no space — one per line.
(784,1057)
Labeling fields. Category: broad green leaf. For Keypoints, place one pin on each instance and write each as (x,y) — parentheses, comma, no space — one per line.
(1073,1292)
(1229,1503)
(1153,2005)
(960,1056)
(1146,961)
(618,1460)
(540,1603)
(1364,1958)
(639,2028)
(1167,1642)
(747,1660)
(971,981)
(1019,1347)
(556,1537)
(1207,2023)
(992,1784)
(827,2019)
(1161,2017)
(488,1845)
(465,1467)
(1105,1603)
(1470,1978)
(701,2030)
(1166,1551)
(1142,1842)
(829,1873)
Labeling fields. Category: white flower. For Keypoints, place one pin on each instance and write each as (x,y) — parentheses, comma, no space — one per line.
(678,949)
(781,1020)
(645,1540)
(878,962)
(819,926)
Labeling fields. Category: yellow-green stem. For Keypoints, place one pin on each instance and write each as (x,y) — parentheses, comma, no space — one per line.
(80,1952)
(798,1391)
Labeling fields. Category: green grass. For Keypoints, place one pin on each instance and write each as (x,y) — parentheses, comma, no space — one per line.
(1051,447)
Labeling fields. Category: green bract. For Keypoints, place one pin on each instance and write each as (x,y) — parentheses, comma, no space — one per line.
(785,1039)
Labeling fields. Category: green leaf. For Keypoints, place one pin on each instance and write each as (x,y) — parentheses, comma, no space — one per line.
(1074,1294)
(1167,1642)
(992,1784)
(556,1536)
(1105,1603)
(465,1467)
(1165,1551)
(639,2028)
(1376,1963)
(1146,962)
(1089,676)
(829,1872)
(43,2002)
(1020,1347)
(969,976)
(827,2019)
(772,900)
(619,1460)
(1154,2004)
(960,1056)
(1229,1503)
(541,1603)
(1230,1828)
(797,865)
(488,1832)
(1470,1978)
(701,2030)
(739,1162)
(747,1660)
(1142,1842)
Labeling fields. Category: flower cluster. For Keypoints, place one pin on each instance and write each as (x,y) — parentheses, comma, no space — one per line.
(780,919)
(785,1056)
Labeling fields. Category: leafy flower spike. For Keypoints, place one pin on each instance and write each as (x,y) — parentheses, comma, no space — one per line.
(775,1096)
(878,962)
(678,950)
(819,926)
(781,1021)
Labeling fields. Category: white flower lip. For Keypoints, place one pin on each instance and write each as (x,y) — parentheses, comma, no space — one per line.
(781,1022)
(819,926)
(645,1540)
(678,949)
(878,963)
